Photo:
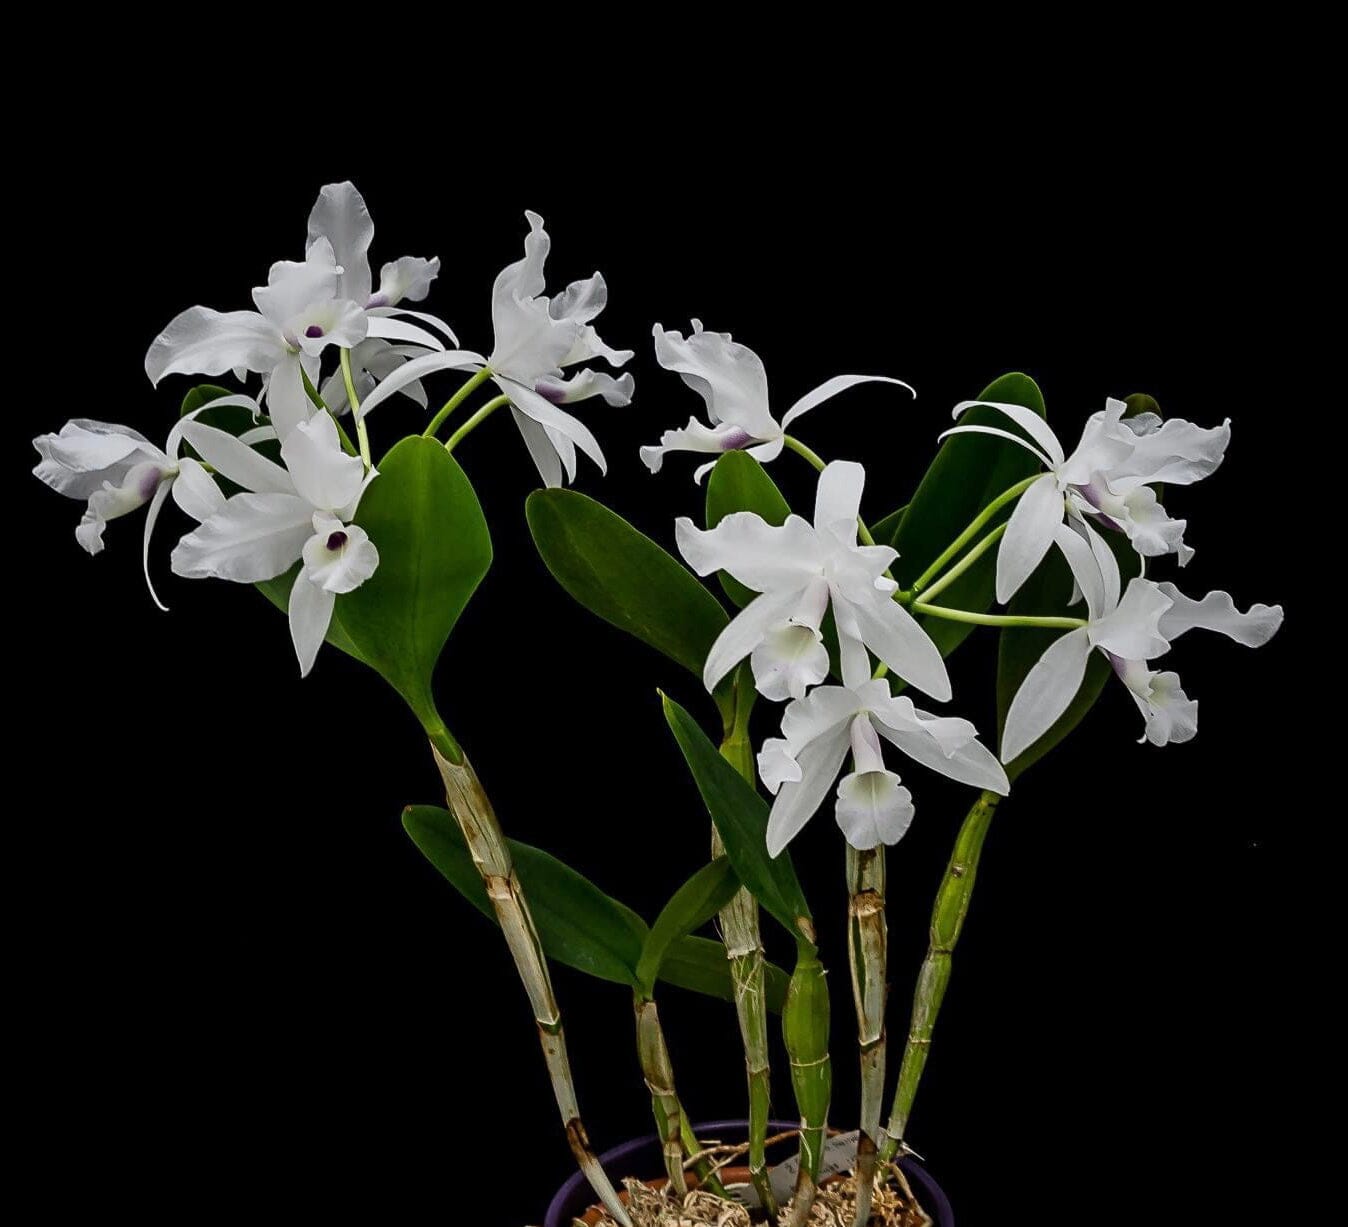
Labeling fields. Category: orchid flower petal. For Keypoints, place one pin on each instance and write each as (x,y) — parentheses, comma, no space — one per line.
(408,277)
(585,384)
(776,764)
(873,808)
(971,763)
(1028,420)
(85,453)
(310,610)
(1218,612)
(745,631)
(532,405)
(541,448)
(200,341)
(830,388)
(252,538)
(760,555)
(1132,629)
(1085,567)
(728,376)
(1029,534)
(788,660)
(195,491)
(1176,452)
(321,473)
(288,403)
(341,217)
(425,317)
(837,499)
(418,368)
(293,285)
(998,433)
(390,329)
(237,461)
(798,801)
(898,639)
(1047,692)
(151,519)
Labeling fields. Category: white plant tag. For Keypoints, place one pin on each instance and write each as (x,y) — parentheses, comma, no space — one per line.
(840,1155)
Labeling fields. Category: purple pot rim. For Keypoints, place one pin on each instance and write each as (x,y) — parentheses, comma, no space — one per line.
(933,1196)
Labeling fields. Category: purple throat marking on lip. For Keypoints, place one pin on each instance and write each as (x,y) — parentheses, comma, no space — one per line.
(150,483)
(377,301)
(550,392)
(737,440)
(336,540)
(314,331)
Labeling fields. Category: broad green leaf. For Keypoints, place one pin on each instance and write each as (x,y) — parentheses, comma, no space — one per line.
(740,483)
(741,817)
(693,905)
(434,548)
(968,473)
(884,530)
(1019,648)
(622,576)
(577,923)
(700,965)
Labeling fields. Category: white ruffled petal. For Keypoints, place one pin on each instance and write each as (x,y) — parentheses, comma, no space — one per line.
(341,217)
(760,555)
(322,473)
(788,661)
(1132,630)
(200,341)
(252,538)
(728,376)
(1216,612)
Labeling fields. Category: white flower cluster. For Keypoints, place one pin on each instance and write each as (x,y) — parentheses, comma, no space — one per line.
(301,510)
(802,570)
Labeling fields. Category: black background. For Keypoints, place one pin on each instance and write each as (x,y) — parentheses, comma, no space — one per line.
(241,985)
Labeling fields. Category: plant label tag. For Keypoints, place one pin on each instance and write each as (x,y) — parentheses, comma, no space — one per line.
(840,1155)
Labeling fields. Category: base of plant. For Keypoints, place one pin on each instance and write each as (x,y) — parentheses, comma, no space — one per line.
(651,1204)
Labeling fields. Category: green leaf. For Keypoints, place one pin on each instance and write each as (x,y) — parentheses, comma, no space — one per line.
(622,576)
(885,530)
(739,483)
(968,473)
(741,817)
(434,548)
(700,965)
(693,905)
(577,923)
(1019,648)
(232,418)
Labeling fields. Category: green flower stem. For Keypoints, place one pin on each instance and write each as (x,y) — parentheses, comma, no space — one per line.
(978,619)
(312,393)
(965,563)
(362,435)
(947,919)
(472,810)
(867,941)
(477,380)
(475,421)
(744,950)
(975,527)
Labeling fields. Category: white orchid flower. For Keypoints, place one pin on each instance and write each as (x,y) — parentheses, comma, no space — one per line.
(537,338)
(326,299)
(873,807)
(801,570)
(1106,477)
(298,315)
(301,512)
(118,470)
(731,380)
(1130,629)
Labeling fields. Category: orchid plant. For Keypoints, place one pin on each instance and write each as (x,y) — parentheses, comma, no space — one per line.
(836,617)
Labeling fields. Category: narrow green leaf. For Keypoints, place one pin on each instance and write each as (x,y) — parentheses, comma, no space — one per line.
(622,576)
(577,923)
(739,483)
(741,816)
(434,548)
(700,965)
(968,473)
(692,905)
